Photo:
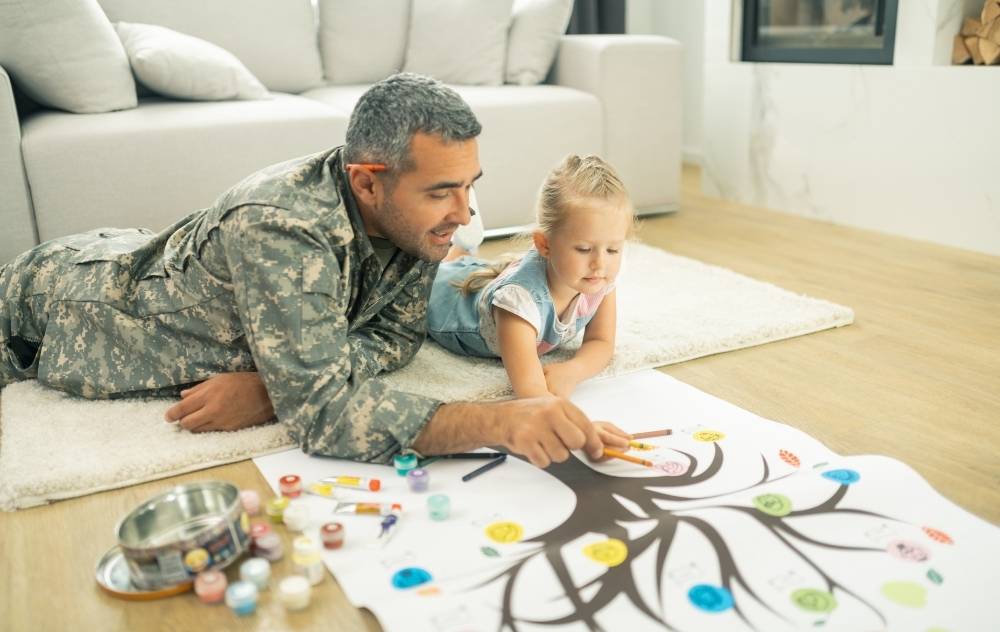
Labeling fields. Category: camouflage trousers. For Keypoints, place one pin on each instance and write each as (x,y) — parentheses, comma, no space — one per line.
(24,290)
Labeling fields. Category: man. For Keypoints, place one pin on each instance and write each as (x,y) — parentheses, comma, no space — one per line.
(299,285)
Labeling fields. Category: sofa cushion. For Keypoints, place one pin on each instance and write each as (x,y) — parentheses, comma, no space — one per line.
(166,158)
(457,41)
(176,65)
(362,42)
(526,132)
(65,54)
(535,29)
(275,39)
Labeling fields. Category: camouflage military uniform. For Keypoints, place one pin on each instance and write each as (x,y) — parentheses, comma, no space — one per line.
(278,277)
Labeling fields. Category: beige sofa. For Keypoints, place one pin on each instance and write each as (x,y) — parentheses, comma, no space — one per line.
(60,173)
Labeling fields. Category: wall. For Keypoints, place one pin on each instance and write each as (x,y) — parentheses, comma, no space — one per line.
(684,21)
(908,149)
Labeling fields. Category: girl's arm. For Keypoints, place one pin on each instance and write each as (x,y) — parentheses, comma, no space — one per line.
(518,350)
(594,354)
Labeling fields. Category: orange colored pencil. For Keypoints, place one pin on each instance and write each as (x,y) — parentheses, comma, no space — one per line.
(627,457)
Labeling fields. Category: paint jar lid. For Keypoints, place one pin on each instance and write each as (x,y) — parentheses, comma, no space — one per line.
(305,546)
(241,593)
(251,500)
(277,504)
(255,567)
(417,474)
(405,460)
(269,540)
(331,528)
(438,501)
(259,530)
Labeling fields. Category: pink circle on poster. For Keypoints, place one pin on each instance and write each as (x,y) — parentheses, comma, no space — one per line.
(672,468)
(907,550)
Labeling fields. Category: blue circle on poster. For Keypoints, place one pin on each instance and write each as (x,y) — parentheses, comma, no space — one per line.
(410,577)
(711,598)
(844,477)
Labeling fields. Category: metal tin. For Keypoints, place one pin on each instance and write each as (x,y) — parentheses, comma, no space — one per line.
(112,575)
(168,539)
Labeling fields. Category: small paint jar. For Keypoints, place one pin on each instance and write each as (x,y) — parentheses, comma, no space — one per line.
(251,501)
(306,559)
(438,507)
(404,463)
(332,535)
(257,571)
(296,517)
(242,598)
(294,592)
(418,480)
(269,547)
(290,485)
(276,509)
(259,529)
(210,586)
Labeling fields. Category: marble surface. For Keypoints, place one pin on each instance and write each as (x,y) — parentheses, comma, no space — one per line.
(908,149)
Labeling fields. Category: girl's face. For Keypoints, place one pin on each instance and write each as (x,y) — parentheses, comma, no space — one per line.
(585,251)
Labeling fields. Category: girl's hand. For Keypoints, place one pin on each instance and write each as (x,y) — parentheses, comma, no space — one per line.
(560,378)
(612,436)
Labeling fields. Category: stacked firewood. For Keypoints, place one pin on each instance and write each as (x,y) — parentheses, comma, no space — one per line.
(979,40)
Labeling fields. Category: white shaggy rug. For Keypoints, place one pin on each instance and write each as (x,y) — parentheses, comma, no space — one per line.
(670,309)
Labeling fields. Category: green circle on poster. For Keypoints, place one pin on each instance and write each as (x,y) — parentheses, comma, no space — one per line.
(814,600)
(773,504)
(905,593)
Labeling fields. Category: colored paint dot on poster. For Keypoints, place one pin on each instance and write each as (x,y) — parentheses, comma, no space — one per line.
(813,600)
(505,532)
(489,551)
(938,535)
(908,594)
(708,436)
(428,591)
(907,550)
(672,468)
(776,505)
(711,598)
(410,577)
(935,576)
(611,552)
(844,477)
(789,457)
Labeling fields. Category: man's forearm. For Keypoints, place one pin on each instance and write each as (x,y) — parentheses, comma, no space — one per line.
(460,427)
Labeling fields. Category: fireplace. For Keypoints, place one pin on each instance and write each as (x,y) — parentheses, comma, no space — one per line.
(819,31)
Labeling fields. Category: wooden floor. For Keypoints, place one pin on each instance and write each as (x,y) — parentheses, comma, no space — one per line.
(917,377)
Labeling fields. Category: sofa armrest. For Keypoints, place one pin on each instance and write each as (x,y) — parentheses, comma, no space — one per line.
(17,217)
(637,78)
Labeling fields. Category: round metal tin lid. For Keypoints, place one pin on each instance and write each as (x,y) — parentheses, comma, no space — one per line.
(113,577)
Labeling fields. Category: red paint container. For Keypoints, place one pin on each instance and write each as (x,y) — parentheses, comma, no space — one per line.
(332,535)
(290,485)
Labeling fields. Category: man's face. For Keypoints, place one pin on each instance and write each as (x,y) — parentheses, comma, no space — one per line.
(430,201)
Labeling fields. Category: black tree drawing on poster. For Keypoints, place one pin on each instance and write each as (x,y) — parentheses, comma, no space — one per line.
(599,510)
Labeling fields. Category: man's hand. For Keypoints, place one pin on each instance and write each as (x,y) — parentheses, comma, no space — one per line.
(561,378)
(228,401)
(545,429)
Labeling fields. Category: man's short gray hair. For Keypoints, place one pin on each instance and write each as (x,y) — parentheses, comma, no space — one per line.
(394,109)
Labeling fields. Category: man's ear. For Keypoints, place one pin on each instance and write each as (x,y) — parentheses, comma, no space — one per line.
(541,243)
(366,187)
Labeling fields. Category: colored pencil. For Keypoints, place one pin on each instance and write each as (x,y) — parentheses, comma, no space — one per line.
(460,455)
(627,457)
(481,470)
(371,166)
(652,433)
(639,445)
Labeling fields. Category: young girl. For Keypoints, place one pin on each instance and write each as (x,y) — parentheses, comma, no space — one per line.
(522,307)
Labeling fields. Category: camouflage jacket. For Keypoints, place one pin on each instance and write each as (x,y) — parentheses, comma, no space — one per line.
(278,276)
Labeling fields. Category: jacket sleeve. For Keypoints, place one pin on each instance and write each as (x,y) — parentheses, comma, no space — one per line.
(390,339)
(289,296)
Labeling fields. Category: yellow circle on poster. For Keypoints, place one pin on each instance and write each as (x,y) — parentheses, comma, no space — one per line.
(709,436)
(505,532)
(610,552)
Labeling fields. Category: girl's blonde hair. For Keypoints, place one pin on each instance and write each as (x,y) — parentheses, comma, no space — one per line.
(574,181)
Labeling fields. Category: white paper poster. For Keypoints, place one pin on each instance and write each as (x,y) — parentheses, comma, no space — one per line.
(743,524)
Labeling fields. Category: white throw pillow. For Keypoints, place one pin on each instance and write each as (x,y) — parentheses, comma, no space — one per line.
(459,41)
(179,66)
(534,36)
(64,54)
(362,42)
